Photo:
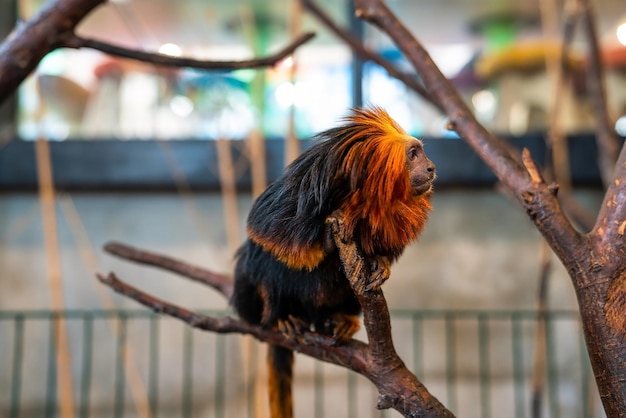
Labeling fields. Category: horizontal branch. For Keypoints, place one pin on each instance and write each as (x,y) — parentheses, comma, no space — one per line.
(21,52)
(170,61)
(219,282)
(352,355)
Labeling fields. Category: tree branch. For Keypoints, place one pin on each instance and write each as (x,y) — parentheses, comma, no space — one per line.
(219,282)
(53,27)
(169,61)
(32,40)
(409,80)
(610,229)
(397,386)
(378,360)
(538,200)
(352,355)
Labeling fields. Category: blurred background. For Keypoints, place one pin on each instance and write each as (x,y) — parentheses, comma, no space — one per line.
(170,160)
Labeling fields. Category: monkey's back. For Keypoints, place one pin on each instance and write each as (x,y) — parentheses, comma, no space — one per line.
(266,290)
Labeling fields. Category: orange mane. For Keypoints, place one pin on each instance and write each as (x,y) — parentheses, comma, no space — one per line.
(382,207)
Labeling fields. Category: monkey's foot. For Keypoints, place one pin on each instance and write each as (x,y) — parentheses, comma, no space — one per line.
(293,328)
(380,270)
(341,327)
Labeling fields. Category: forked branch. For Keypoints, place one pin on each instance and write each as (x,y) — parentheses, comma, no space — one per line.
(378,361)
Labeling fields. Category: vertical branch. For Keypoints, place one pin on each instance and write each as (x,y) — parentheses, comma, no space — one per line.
(55,279)
(398,388)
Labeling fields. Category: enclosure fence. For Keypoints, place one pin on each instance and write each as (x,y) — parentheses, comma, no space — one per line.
(133,363)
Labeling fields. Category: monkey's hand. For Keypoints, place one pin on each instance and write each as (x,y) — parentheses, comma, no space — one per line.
(380,270)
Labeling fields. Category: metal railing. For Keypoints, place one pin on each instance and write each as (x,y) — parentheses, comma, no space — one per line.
(133,363)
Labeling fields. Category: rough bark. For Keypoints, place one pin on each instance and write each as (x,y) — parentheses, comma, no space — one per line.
(594,261)
(32,40)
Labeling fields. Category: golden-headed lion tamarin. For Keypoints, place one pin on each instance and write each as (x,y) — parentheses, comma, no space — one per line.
(288,273)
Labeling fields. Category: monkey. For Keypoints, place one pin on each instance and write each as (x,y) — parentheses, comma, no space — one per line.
(288,273)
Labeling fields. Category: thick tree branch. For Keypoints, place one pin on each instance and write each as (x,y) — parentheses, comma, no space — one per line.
(596,262)
(169,61)
(409,80)
(397,386)
(537,199)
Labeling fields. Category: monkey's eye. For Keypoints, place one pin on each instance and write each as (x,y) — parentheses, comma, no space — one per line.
(413,153)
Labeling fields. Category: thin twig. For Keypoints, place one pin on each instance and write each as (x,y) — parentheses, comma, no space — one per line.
(219,282)
(409,80)
(75,41)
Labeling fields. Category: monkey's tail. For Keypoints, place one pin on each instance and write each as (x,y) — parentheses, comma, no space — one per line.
(280,366)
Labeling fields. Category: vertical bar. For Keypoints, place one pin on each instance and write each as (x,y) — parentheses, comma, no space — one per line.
(8,108)
(483,364)
(118,402)
(357,29)
(153,361)
(220,391)
(18,356)
(51,374)
(85,379)
(553,378)
(352,404)
(319,390)
(518,366)
(251,379)
(47,193)
(418,345)
(451,362)
(187,370)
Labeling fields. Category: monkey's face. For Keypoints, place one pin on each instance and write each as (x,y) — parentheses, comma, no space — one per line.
(421,169)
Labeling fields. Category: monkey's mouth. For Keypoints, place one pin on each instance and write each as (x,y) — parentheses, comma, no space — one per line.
(423,188)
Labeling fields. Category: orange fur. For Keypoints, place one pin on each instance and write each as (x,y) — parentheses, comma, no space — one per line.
(393,215)
(381,209)
(294,256)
